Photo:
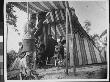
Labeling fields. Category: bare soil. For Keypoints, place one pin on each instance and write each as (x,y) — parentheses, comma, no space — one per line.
(87,72)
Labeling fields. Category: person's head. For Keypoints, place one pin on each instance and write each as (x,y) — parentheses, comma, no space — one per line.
(63,42)
(42,46)
(33,16)
(57,48)
(42,15)
(61,37)
(50,36)
(20,43)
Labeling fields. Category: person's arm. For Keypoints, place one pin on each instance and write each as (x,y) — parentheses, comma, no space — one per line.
(40,28)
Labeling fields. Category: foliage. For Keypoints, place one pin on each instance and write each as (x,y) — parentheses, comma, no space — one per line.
(95,36)
(87,24)
(11,18)
(11,56)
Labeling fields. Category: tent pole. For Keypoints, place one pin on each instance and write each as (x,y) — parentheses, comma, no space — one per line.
(72,36)
(67,42)
(7,35)
(49,26)
(55,32)
(28,14)
(55,27)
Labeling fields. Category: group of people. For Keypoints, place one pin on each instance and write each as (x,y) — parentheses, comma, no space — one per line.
(53,49)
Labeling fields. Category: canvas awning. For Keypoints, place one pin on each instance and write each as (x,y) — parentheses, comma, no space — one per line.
(70,19)
(44,6)
(49,6)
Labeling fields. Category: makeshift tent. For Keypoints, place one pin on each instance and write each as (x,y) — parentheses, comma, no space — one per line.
(63,21)
(80,44)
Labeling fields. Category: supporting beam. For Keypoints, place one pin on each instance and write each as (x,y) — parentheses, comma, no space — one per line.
(72,36)
(55,32)
(49,29)
(55,27)
(67,42)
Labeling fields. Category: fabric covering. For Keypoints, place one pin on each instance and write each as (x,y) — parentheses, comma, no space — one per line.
(82,47)
(83,51)
(44,6)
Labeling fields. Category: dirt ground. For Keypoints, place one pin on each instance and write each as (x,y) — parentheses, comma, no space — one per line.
(87,72)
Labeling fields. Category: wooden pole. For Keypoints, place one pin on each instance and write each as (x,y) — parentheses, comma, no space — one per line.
(7,39)
(55,32)
(72,36)
(28,15)
(67,42)
(49,29)
(74,53)
(55,26)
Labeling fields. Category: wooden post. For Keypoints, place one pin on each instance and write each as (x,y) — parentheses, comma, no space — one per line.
(20,76)
(55,32)
(45,29)
(67,42)
(49,29)
(55,62)
(72,36)
(55,26)
(28,14)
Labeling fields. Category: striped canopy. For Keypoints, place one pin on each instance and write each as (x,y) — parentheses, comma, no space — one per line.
(56,13)
(44,6)
(55,9)
(58,18)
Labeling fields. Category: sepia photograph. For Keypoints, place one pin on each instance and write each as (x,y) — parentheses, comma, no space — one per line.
(56,40)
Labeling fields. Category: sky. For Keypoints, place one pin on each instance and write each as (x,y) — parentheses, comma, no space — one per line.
(93,11)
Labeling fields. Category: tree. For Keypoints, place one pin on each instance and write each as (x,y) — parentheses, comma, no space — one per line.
(11,56)
(11,18)
(97,41)
(95,37)
(86,26)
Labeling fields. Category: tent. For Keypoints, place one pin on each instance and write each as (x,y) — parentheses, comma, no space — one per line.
(63,21)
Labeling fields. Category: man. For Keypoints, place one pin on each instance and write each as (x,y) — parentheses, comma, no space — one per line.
(41,18)
(50,47)
(61,52)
